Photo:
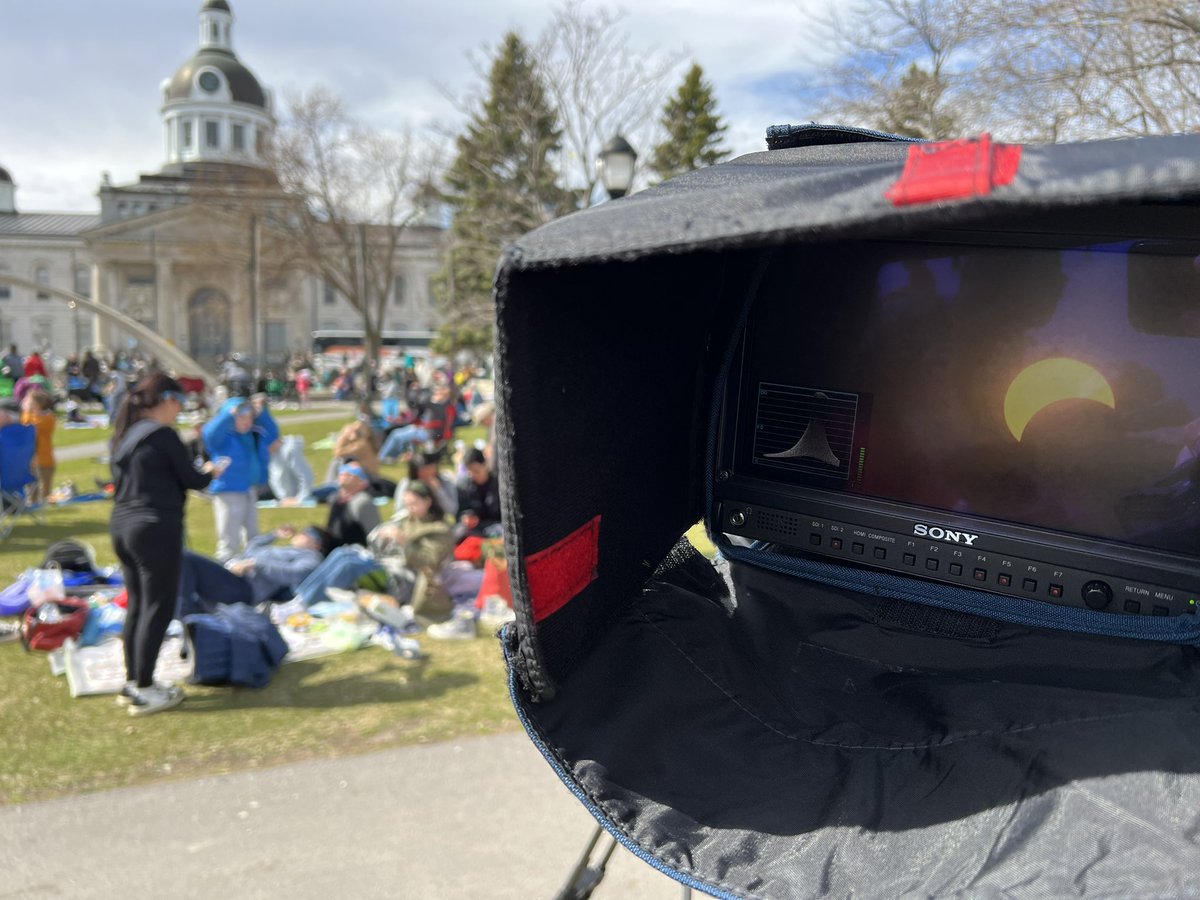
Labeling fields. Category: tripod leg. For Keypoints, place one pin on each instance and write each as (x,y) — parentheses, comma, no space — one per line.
(584,877)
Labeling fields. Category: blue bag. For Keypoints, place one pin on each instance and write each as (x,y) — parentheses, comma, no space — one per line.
(14,599)
(234,645)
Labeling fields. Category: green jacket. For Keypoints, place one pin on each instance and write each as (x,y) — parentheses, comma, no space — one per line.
(427,547)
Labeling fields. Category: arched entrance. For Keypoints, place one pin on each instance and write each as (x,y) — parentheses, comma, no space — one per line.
(209,326)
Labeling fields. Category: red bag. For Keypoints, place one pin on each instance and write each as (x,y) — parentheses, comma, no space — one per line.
(495,582)
(37,634)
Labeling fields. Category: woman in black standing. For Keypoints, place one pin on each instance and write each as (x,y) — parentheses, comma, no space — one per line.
(152,472)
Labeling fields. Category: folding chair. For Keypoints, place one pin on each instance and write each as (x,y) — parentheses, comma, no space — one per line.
(17,446)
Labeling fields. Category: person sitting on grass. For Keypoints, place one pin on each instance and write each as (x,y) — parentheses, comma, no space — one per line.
(352,516)
(424,467)
(434,425)
(352,512)
(478,499)
(289,473)
(414,550)
(355,442)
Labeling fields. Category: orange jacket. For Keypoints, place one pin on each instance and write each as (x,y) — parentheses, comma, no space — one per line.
(44,423)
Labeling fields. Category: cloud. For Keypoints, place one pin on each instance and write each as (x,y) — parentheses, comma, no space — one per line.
(89,74)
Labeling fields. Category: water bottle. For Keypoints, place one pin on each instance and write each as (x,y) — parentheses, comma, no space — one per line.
(49,613)
(404,647)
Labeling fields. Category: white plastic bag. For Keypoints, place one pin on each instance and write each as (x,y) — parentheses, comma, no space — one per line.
(46,584)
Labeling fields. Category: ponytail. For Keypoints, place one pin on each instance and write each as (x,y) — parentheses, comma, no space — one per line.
(138,402)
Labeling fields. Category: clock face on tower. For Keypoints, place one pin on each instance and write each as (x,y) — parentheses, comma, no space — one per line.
(209,81)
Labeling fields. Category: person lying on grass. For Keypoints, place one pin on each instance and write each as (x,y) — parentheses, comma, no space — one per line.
(263,571)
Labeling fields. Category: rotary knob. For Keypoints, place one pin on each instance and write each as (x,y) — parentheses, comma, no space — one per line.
(1097,594)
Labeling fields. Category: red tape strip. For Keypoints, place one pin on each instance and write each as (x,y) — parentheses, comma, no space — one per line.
(954,170)
(559,573)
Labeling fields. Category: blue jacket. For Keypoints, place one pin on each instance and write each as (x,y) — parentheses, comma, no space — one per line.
(249,453)
(235,645)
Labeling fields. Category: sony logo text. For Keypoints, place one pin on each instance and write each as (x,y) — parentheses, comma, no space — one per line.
(938,533)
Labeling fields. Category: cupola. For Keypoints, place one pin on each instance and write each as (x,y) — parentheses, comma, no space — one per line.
(214,108)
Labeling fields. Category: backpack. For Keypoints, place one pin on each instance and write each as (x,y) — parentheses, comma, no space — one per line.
(791,718)
(71,555)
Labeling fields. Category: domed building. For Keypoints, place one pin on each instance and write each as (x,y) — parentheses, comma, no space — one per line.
(214,109)
(182,250)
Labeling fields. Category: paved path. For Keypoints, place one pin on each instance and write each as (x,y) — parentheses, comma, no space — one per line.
(343,411)
(479,818)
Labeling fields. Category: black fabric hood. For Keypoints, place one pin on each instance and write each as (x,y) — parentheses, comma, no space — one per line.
(133,437)
(757,729)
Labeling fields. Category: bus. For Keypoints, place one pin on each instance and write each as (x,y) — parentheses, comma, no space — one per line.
(332,349)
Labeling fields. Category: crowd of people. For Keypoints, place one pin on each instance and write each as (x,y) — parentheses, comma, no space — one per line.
(412,512)
(446,495)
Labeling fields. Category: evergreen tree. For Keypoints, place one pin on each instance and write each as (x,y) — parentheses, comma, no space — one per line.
(694,130)
(503,182)
(914,108)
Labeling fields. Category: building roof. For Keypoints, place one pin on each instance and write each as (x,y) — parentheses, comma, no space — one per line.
(24,224)
(4,176)
(243,86)
(216,4)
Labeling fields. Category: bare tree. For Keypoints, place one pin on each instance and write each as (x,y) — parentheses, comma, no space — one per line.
(348,194)
(1099,68)
(1021,69)
(601,86)
(906,61)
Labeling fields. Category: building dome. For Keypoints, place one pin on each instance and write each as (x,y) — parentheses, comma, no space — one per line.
(214,110)
(243,86)
(5,178)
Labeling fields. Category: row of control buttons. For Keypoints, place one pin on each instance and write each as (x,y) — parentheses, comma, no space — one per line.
(856,548)
(1003,579)
(1133,606)
(1096,594)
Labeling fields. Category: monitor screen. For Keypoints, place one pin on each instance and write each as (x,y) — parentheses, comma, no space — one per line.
(1049,386)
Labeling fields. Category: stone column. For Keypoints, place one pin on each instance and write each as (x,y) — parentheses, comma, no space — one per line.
(168,303)
(101,329)
(112,281)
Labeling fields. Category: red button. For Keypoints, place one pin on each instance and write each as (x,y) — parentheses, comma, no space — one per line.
(1056,590)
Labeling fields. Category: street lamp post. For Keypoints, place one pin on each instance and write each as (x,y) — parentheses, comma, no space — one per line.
(614,165)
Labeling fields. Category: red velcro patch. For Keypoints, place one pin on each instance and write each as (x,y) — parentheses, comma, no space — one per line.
(558,573)
(953,170)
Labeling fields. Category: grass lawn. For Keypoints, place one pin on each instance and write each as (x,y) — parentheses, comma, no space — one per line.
(69,437)
(349,703)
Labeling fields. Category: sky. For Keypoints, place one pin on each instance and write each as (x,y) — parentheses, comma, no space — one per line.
(81,79)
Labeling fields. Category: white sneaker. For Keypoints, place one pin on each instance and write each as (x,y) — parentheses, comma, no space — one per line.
(459,628)
(155,698)
(129,691)
(496,613)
